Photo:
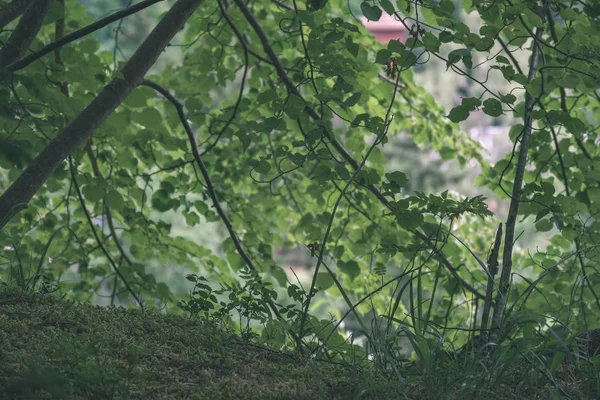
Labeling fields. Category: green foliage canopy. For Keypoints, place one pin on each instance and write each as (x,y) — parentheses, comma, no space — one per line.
(273,125)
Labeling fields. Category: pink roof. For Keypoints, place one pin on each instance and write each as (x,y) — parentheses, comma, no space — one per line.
(386,29)
(385,23)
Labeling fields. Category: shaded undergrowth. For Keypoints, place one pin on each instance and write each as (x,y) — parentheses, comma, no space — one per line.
(56,349)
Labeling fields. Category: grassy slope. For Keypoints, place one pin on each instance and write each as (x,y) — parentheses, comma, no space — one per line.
(55,349)
(50,348)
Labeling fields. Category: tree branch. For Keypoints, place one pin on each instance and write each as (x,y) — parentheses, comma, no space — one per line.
(209,186)
(511,220)
(78,34)
(82,128)
(493,270)
(97,238)
(26,30)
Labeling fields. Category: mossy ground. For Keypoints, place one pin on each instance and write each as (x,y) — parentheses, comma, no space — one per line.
(55,349)
(51,348)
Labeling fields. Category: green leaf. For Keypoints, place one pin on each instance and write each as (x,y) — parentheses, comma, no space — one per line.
(350,268)
(471,103)
(263,167)
(484,44)
(191,218)
(569,81)
(575,125)
(397,178)
(294,106)
(267,96)
(90,46)
(431,42)
(313,136)
(447,7)
(407,59)
(333,37)
(56,11)
(351,46)
(492,107)
(372,13)
(235,260)
(161,201)
(410,219)
(162,290)
(532,17)
(324,280)
(201,207)
(544,225)
(542,214)
(509,98)
(139,97)
(191,103)
(387,6)
(93,193)
(534,87)
(446,36)
(149,117)
(315,5)
(568,14)
(352,100)
(459,113)
(298,158)
(114,200)
(383,56)
(359,119)
(459,54)
(396,46)
(244,138)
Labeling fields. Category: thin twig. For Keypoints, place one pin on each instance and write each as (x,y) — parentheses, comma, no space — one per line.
(78,34)
(492,270)
(95,233)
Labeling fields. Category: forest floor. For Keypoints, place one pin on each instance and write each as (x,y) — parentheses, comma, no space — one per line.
(56,349)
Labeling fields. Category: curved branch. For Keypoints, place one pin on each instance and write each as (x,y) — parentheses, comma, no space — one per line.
(78,34)
(209,186)
(16,197)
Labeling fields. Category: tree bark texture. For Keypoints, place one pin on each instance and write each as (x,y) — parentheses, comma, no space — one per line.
(26,30)
(12,10)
